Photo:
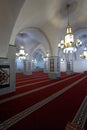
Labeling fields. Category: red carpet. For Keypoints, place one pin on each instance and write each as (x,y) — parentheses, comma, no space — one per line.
(32,98)
(36,85)
(55,114)
(52,116)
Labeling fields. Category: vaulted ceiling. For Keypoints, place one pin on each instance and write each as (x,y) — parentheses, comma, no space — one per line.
(43,22)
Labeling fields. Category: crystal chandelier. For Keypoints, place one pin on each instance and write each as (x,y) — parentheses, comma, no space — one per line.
(69,44)
(21,54)
(84,54)
(46,57)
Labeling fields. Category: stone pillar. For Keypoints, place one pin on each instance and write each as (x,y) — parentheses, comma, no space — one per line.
(46,65)
(7,71)
(19,65)
(11,57)
(4,76)
(27,67)
(53,67)
(33,67)
(69,63)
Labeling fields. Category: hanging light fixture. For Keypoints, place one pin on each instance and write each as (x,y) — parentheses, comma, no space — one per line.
(69,44)
(47,55)
(84,54)
(21,54)
(62,60)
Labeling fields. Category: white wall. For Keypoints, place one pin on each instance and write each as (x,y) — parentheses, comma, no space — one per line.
(80,65)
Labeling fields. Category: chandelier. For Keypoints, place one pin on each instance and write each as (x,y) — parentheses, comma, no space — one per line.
(62,60)
(84,54)
(21,54)
(46,57)
(69,44)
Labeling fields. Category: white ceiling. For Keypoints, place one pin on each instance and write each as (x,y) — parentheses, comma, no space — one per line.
(37,13)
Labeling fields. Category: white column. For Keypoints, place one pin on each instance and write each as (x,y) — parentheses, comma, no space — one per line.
(4,76)
(8,69)
(54,67)
(27,67)
(32,66)
(46,65)
(69,63)
(11,57)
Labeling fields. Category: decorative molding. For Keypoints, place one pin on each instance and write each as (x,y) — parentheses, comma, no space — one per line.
(81,115)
